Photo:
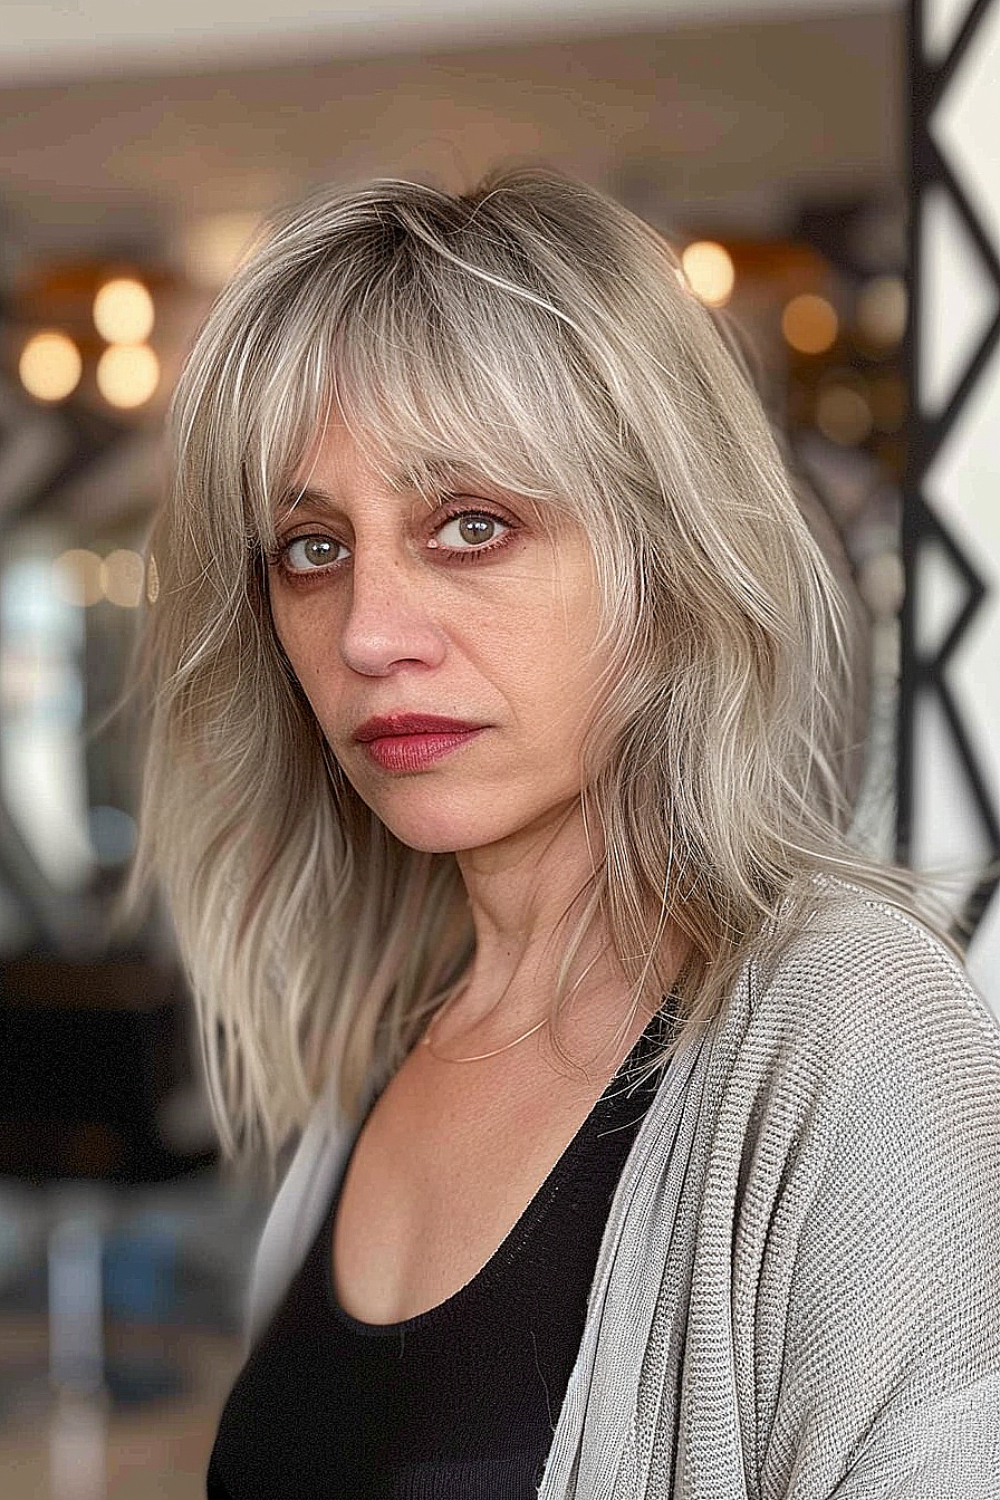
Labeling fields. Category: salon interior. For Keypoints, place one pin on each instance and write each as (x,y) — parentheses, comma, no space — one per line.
(825,175)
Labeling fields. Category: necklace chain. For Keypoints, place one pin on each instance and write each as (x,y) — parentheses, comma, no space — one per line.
(478,1056)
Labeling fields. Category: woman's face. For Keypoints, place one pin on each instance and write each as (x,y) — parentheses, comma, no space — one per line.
(459,607)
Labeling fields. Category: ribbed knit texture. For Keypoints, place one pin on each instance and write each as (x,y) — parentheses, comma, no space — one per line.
(798,1291)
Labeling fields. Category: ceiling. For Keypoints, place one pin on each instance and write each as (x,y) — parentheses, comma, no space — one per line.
(44,39)
(736,115)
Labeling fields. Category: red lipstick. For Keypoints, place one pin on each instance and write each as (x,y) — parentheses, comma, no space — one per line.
(410,741)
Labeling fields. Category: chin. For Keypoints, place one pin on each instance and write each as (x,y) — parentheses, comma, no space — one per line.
(438,829)
(428,821)
(430,839)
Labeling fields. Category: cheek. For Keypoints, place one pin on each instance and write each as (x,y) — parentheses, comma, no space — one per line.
(279,616)
(293,630)
(300,644)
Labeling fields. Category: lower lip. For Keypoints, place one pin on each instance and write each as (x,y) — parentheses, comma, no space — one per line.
(411,752)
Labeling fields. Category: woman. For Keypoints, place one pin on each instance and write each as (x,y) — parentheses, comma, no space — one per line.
(650,1146)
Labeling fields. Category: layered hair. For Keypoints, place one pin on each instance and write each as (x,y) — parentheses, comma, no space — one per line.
(534,332)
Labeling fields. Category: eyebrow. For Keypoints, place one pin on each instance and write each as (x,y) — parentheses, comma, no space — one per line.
(306,495)
(427,478)
(439,474)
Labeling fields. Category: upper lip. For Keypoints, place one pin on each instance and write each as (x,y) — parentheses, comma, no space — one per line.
(389,724)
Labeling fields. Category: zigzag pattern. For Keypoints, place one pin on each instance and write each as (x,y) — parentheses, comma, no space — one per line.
(925,670)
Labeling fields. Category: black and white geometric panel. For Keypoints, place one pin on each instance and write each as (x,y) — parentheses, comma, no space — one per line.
(949,761)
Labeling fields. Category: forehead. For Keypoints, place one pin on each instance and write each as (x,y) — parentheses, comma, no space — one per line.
(340,461)
(341,455)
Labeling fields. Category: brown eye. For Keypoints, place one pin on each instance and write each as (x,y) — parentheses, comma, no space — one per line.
(309,552)
(472,528)
(476,528)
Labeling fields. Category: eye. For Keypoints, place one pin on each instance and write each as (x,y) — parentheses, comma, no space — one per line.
(304,554)
(472,528)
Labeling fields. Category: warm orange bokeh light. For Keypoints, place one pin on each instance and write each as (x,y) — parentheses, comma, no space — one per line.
(50,366)
(128,374)
(810,324)
(710,272)
(123,311)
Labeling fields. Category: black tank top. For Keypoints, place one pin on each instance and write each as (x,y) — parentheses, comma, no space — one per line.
(459,1402)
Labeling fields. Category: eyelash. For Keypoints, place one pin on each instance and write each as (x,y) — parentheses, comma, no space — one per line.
(453,554)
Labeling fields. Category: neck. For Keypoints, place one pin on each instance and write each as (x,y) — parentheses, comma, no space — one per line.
(524,897)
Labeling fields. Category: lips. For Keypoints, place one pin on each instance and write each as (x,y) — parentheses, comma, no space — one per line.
(390,725)
(408,743)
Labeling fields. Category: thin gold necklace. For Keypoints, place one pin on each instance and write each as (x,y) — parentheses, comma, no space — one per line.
(478,1056)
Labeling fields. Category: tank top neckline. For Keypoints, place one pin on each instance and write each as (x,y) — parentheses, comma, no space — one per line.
(528,1222)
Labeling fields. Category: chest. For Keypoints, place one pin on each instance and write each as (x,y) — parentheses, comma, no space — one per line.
(444,1167)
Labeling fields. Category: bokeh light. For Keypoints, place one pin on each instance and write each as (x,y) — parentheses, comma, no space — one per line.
(77,576)
(882,310)
(843,414)
(50,366)
(128,374)
(123,311)
(809,323)
(710,272)
(123,577)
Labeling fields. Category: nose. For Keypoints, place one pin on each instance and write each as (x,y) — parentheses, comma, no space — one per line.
(390,619)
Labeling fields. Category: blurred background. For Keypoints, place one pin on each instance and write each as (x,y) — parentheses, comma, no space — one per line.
(828,173)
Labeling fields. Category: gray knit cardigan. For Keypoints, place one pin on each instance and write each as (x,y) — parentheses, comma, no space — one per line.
(798,1289)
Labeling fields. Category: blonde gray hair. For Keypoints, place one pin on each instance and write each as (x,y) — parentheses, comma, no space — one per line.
(537,333)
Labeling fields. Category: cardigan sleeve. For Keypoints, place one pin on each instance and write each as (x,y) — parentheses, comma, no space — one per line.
(888,1383)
